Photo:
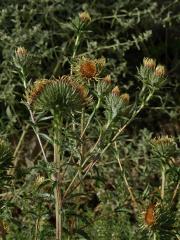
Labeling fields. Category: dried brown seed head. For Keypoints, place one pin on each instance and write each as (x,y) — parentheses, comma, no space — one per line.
(107,79)
(149,216)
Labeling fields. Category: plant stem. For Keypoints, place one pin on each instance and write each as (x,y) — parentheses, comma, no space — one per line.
(57,161)
(163,181)
(126,181)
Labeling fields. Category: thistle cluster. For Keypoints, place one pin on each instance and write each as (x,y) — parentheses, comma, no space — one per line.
(152,75)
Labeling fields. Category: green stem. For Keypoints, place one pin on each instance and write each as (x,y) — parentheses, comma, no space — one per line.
(163,181)
(91,116)
(57,161)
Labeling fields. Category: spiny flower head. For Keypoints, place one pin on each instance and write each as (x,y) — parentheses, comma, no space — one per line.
(149,63)
(160,71)
(58,94)
(21,52)
(116,91)
(125,97)
(84,17)
(107,79)
(87,68)
(35,90)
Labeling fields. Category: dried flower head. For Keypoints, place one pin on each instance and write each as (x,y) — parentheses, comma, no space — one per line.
(149,63)
(21,52)
(160,71)
(149,215)
(88,69)
(58,94)
(35,90)
(116,91)
(125,97)
(107,79)
(84,17)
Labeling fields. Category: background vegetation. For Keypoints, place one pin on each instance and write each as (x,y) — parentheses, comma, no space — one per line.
(122,31)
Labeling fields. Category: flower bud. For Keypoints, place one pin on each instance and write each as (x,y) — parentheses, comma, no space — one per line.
(107,79)
(149,63)
(160,71)
(125,97)
(116,91)
(21,52)
(84,17)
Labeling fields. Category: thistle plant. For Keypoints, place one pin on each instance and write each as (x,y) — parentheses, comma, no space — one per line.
(87,114)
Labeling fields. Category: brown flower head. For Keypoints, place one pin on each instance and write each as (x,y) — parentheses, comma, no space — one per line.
(35,90)
(107,79)
(84,17)
(149,63)
(116,91)
(160,71)
(125,97)
(88,68)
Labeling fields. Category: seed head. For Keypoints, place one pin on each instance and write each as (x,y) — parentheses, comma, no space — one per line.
(21,52)
(88,69)
(160,71)
(125,97)
(149,63)
(84,17)
(116,91)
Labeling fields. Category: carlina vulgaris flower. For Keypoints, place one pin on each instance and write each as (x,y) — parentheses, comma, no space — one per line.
(85,17)
(87,68)
(125,97)
(21,52)
(116,91)
(149,63)
(35,90)
(107,79)
(160,71)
